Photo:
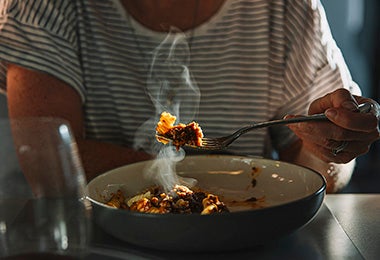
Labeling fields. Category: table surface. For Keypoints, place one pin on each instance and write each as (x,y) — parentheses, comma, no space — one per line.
(346,227)
(359,217)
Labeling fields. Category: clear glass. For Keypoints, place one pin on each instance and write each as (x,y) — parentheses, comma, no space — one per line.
(43,210)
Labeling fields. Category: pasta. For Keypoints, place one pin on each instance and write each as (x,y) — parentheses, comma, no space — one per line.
(179,200)
(181,134)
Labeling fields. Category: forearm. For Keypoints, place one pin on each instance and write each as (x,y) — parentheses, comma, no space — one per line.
(99,157)
(35,94)
(337,175)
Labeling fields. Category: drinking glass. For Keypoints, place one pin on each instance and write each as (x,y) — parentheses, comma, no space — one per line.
(43,213)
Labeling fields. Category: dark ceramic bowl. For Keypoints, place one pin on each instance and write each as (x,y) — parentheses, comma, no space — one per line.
(288,196)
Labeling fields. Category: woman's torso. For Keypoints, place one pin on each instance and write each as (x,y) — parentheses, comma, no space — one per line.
(230,61)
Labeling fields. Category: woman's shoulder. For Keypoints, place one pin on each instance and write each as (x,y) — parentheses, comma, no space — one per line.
(48,15)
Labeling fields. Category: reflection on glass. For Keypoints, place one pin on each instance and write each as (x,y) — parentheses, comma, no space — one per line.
(43,212)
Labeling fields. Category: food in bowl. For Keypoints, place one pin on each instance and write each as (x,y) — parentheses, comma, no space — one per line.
(179,200)
(181,134)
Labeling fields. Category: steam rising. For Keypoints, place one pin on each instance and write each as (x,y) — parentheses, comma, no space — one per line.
(163,172)
(171,88)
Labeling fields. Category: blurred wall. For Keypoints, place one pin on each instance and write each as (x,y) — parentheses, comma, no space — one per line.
(355,27)
(3,106)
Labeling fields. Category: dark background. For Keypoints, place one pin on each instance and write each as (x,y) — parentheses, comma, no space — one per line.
(355,25)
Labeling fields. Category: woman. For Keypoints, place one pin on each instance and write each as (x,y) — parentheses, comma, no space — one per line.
(110,68)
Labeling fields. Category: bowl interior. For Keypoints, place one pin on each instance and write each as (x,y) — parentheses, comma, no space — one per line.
(242,183)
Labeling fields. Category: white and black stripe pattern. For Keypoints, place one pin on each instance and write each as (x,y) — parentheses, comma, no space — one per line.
(41,35)
(256,60)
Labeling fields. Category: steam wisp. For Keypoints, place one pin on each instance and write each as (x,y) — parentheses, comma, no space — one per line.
(171,88)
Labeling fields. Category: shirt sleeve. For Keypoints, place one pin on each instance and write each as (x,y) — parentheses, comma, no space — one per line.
(41,35)
(314,64)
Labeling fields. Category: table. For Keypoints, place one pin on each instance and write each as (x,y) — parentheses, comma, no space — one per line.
(359,217)
(346,227)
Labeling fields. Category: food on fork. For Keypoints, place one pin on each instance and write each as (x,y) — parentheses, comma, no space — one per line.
(179,200)
(181,134)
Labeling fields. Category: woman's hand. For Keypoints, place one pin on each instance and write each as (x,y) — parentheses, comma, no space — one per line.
(350,130)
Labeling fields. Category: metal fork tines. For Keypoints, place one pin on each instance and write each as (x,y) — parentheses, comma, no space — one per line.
(222,142)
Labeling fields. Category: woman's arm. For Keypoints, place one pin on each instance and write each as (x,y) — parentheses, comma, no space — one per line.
(35,94)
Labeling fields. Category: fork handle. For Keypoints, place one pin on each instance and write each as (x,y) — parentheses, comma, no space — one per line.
(363,108)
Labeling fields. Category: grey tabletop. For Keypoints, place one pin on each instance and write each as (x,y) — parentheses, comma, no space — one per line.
(359,217)
(346,227)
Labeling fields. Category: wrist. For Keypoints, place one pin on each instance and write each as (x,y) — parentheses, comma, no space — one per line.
(337,176)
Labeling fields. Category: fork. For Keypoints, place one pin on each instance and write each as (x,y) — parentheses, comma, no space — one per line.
(222,142)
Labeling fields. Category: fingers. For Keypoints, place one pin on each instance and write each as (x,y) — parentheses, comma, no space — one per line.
(342,109)
(324,148)
(322,138)
(375,108)
(340,98)
(346,125)
(322,132)
(361,122)
(350,152)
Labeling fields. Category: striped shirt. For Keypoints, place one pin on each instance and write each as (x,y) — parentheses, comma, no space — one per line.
(254,60)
